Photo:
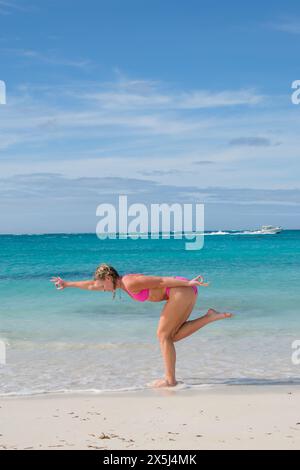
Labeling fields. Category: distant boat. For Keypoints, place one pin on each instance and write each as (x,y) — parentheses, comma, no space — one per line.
(269,229)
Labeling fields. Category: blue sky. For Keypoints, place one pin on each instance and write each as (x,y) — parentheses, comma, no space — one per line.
(166,101)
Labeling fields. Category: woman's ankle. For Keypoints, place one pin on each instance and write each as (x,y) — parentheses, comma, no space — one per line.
(171,381)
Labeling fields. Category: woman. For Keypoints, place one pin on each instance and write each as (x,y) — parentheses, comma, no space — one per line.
(180,295)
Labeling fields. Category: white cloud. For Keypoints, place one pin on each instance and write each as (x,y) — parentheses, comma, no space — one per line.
(114,112)
(151,99)
(51,59)
(291,26)
(60,128)
(56,186)
(8,7)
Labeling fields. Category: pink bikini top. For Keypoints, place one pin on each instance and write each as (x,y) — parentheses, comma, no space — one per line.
(141,296)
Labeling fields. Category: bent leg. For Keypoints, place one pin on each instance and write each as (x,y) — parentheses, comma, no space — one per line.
(189,327)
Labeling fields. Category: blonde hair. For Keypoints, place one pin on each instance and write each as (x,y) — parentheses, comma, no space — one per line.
(104,271)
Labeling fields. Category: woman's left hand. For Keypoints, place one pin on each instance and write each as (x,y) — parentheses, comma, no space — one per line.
(198,281)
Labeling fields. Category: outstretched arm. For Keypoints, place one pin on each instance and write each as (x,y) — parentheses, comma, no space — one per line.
(139,282)
(61,284)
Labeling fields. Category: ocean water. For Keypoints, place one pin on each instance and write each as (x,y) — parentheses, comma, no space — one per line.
(75,340)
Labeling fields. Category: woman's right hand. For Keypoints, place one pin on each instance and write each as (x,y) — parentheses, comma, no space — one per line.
(198,281)
(59,283)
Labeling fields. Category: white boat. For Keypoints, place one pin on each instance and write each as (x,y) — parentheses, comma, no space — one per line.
(269,229)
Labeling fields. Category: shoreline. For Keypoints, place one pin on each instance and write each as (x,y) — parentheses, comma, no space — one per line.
(151,391)
(222,417)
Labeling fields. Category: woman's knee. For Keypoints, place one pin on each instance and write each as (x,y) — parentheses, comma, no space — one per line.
(164,335)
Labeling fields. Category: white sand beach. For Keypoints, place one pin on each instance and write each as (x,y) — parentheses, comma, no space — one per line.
(224,417)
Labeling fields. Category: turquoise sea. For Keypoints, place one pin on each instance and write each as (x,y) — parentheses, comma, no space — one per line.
(76,340)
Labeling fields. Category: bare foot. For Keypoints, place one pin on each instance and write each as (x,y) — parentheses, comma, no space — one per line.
(162,383)
(214,315)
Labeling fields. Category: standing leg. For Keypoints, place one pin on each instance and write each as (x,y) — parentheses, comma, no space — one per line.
(175,312)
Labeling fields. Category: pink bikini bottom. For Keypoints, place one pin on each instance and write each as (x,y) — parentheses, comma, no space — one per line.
(184,279)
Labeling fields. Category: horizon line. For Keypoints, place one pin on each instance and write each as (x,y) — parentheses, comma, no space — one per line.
(133,233)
